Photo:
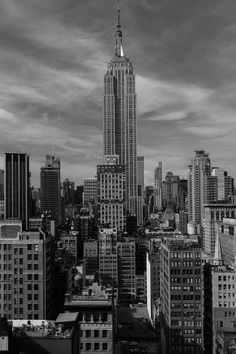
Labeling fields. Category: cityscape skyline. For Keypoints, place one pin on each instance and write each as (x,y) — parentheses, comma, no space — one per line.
(51,68)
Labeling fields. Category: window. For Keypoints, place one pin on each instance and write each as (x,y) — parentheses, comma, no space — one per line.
(104,346)
(96,333)
(104,317)
(88,333)
(96,346)
(88,346)
(104,333)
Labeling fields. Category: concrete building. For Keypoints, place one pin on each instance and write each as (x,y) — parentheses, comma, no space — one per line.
(214,213)
(69,241)
(26,262)
(90,194)
(120,117)
(126,270)
(111,193)
(199,170)
(96,319)
(68,188)
(181,296)
(108,259)
(50,187)
(17,187)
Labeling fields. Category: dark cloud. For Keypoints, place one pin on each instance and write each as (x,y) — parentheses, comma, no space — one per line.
(53,58)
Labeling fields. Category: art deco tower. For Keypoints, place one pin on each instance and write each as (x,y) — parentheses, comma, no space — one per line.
(120,116)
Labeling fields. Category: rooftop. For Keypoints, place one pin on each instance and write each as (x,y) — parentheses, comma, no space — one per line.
(41,328)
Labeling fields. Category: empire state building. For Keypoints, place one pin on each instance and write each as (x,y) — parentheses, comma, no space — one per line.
(120,116)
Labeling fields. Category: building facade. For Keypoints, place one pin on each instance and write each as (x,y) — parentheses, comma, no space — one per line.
(26,273)
(181,296)
(111,193)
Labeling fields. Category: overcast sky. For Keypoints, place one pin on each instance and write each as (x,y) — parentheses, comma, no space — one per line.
(53,56)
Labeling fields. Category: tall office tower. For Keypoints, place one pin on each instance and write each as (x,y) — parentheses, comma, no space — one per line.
(90,191)
(50,187)
(199,170)
(126,269)
(120,117)
(140,182)
(108,260)
(68,188)
(181,296)
(171,191)
(17,187)
(27,270)
(111,193)
(215,213)
(157,192)
(1,184)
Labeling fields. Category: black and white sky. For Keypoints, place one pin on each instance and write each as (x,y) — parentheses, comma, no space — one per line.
(53,57)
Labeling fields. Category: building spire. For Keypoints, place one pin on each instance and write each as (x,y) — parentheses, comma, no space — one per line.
(118,49)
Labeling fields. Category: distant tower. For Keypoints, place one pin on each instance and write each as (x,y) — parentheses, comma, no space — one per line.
(120,116)
(199,170)
(17,185)
(50,187)
(157,192)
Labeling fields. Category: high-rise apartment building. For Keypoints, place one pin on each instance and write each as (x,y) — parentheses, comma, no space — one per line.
(50,187)
(26,262)
(120,117)
(140,182)
(181,296)
(199,170)
(111,193)
(17,187)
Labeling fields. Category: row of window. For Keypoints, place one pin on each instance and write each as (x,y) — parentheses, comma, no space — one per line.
(95,333)
(94,346)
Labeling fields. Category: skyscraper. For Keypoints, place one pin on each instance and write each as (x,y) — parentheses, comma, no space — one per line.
(199,170)
(17,184)
(157,192)
(50,187)
(120,116)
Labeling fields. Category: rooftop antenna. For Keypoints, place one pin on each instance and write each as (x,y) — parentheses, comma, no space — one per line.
(118,49)
(53,150)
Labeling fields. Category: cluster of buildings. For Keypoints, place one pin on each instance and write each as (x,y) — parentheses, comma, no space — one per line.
(114,266)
